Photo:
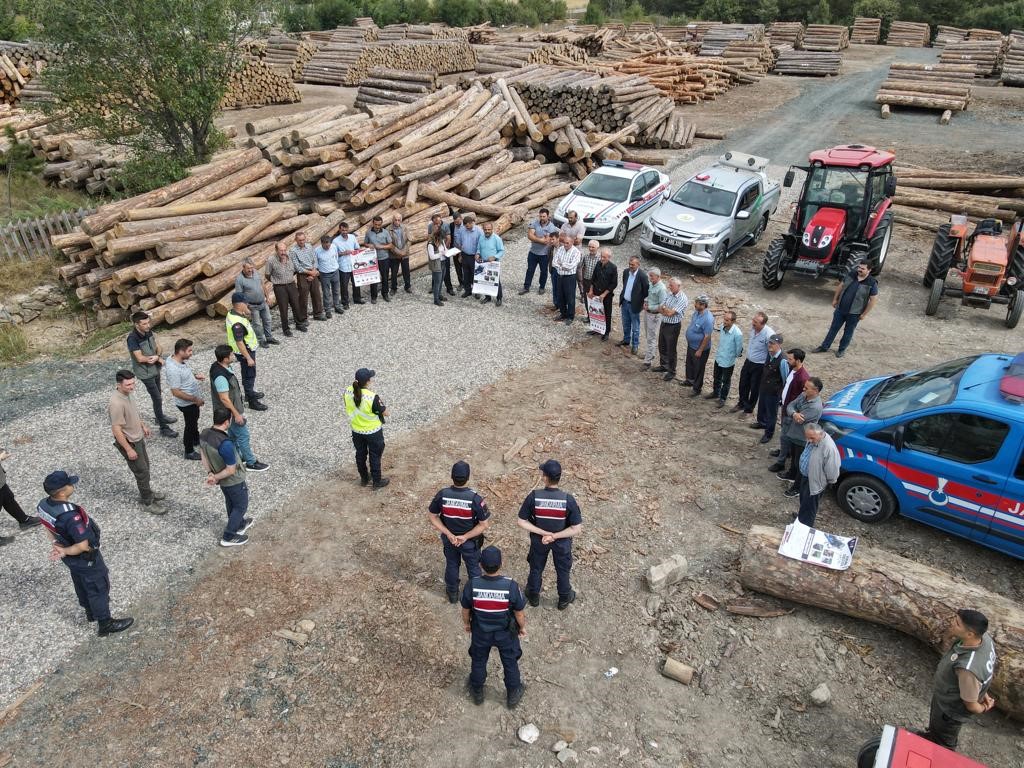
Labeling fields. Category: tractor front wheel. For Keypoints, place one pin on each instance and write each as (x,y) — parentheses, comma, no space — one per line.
(1015,270)
(941,259)
(773,269)
(878,247)
(934,297)
(1016,308)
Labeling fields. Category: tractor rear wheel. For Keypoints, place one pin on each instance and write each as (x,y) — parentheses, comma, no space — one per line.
(1015,270)
(941,259)
(934,297)
(1016,309)
(878,246)
(773,269)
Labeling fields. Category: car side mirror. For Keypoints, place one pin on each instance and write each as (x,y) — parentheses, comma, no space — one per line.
(743,215)
(787,180)
(897,438)
(890,186)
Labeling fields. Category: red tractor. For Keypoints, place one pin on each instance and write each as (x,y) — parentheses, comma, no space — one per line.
(842,216)
(989,261)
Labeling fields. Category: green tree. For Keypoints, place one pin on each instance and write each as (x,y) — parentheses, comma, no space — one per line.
(821,14)
(1001,16)
(886,10)
(460,13)
(148,74)
(634,13)
(728,11)
(594,14)
(335,13)
(763,12)
(16,20)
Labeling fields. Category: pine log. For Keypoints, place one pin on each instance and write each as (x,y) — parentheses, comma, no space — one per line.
(237,204)
(887,589)
(431,192)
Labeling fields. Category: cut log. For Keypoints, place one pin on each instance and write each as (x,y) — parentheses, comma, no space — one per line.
(236,204)
(887,589)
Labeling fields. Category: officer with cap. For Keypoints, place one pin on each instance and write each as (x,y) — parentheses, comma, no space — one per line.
(460,515)
(76,541)
(366,414)
(243,342)
(552,517)
(492,612)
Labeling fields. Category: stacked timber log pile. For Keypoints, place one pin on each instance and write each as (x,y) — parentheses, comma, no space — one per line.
(985,55)
(945,35)
(826,37)
(809,63)
(623,48)
(685,78)
(331,61)
(591,39)
(285,53)
(789,33)
(438,56)
(1013,62)
(77,163)
(255,83)
(365,22)
(21,122)
(20,66)
(923,86)
(866,31)
(908,34)
(925,198)
(753,57)
(514,54)
(719,36)
(394,86)
(984,34)
(481,33)
(676,34)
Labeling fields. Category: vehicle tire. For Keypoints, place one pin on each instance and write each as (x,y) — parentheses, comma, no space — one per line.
(773,269)
(1015,270)
(935,297)
(621,231)
(1016,308)
(878,246)
(868,752)
(717,259)
(761,227)
(941,259)
(865,498)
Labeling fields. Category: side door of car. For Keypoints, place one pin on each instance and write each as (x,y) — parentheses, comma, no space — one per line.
(946,467)
(1006,531)
(749,206)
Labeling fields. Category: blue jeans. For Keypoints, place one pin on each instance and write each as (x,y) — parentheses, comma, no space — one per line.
(561,551)
(330,282)
(236,499)
(838,319)
(468,553)
(240,437)
(808,503)
(436,279)
(630,325)
(533,261)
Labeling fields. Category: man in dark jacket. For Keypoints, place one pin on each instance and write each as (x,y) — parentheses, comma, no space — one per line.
(806,409)
(791,389)
(603,282)
(635,286)
(854,298)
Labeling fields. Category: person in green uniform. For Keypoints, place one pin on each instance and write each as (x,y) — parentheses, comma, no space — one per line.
(962,679)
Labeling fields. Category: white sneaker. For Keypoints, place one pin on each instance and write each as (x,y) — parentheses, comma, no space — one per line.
(235,541)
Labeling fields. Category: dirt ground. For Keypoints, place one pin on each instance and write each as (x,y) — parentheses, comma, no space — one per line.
(380,680)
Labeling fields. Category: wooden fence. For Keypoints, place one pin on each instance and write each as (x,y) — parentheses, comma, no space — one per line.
(30,238)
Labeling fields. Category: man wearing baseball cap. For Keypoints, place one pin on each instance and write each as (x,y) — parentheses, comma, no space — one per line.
(773,376)
(243,342)
(366,414)
(552,517)
(492,612)
(76,541)
(460,515)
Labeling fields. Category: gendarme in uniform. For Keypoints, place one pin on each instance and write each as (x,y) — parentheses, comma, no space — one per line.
(947,705)
(459,510)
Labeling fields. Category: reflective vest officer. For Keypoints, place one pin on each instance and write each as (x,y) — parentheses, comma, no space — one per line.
(366,414)
(460,515)
(243,342)
(76,541)
(492,612)
(552,517)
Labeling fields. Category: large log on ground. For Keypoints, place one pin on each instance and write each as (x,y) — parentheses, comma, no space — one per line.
(887,589)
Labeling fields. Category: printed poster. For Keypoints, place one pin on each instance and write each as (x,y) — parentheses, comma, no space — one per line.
(595,310)
(364,267)
(486,278)
(810,545)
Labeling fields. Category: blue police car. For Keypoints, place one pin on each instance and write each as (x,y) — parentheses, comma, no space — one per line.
(944,446)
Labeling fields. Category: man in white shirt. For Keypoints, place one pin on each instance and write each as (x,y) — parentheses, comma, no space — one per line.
(344,243)
(565,262)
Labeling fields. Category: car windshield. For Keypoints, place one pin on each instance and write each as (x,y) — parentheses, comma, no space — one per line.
(604,187)
(837,186)
(703,198)
(924,389)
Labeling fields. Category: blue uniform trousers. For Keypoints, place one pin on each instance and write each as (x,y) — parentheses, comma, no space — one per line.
(561,551)
(509,649)
(236,499)
(248,373)
(454,556)
(92,585)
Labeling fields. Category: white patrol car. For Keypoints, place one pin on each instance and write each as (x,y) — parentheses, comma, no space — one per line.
(615,198)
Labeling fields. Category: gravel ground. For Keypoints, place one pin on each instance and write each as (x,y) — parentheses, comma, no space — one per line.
(428,360)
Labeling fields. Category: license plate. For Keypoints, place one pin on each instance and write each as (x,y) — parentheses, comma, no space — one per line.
(673,242)
(981,289)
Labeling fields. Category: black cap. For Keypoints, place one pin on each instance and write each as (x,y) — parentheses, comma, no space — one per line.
(460,471)
(775,338)
(363,375)
(238,297)
(552,469)
(490,558)
(57,480)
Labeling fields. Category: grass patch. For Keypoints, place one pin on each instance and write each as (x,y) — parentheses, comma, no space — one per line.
(30,197)
(101,337)
(13,344)
(22,276)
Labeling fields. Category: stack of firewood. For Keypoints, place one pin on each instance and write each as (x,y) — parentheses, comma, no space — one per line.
(254,83)
(866,31)
(826,37)
(394,86)
(288,54)
(908,34)
(512,54)
(810,63)
(945,35)
(986,55)
(786,33)
(1013,62)
(925,198)
(20,64)
(942,87)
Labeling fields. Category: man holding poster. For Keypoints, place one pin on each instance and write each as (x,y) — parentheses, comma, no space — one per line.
(365,270)
(603,282)
(490,251)
(598,319)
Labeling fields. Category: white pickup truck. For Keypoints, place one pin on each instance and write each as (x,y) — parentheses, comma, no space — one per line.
(714,213)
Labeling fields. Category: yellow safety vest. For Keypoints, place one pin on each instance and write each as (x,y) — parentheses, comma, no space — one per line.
(250,335)
(364,421)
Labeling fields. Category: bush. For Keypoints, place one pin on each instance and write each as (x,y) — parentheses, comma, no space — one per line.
(728,11)
(334,13)
(149,170)
(634,13)
(298,18)
(1002,16)
(594,14)
(460,13)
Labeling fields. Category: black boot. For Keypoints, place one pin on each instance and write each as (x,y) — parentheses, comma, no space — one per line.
(515,696)
(111,626)
(382,482)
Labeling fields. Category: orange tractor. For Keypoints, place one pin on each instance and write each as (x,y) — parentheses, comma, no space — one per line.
(989,262)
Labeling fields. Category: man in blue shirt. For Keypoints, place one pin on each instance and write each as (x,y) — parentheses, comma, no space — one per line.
(330,276)
(854,298)
(379,239)
(538,232)
(468,237)
(698,344)
(730,347)
(490,248)
(344,243)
